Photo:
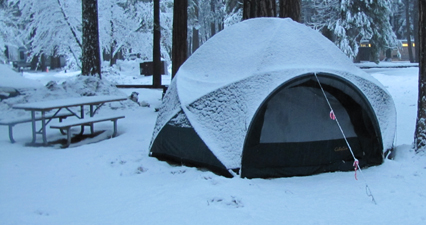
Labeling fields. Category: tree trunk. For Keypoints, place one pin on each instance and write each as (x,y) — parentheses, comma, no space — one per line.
(388,55)
(113,57)
(6,52)
(408,26)
(212,29)
(189,48)
(179,45)
(291,9)
(91,56)
(259,8)
(34,63)
(156,54)
(43,66)
(212,24)
(195,39)
(54,60)
(106,55)
(328,33)
(420,133)
(195,29)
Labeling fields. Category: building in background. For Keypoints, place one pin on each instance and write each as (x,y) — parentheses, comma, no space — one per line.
(20,59)
(399,54)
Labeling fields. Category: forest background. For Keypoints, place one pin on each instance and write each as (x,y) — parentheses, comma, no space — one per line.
(54,27)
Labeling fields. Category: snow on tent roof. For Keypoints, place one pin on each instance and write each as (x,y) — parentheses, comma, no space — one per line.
(256,46)
(220,87)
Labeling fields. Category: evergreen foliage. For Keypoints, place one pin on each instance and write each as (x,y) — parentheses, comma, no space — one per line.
(354,21)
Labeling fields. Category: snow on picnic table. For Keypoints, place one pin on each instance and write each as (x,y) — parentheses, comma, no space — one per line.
(113,181)
(395,64)
(69,102)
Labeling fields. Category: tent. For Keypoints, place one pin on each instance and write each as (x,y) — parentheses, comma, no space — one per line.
(255,100)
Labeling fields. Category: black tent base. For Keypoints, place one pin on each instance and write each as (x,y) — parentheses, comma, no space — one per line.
(183,146)
(271,172)
(176,161)
(302,159)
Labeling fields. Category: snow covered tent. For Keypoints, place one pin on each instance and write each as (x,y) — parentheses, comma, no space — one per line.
(250,100)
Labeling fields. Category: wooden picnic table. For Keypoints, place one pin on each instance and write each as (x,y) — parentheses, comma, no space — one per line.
(94,102)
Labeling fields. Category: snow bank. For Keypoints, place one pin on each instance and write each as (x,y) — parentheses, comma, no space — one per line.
(75,86)
(10,78)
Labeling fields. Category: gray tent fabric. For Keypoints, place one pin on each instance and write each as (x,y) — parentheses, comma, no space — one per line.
(234,92)
(287,120)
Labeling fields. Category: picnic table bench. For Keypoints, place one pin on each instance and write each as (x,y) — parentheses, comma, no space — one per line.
(86,122)
(13,122)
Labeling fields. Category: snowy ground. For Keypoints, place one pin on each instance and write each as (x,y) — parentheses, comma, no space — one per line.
(113,181)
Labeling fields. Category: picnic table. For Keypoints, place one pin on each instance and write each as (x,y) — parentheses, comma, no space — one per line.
(94,103)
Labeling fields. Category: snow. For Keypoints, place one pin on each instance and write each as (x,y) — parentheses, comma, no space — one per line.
(277,45)
(60,103)
(114,181)
(14,79)
(384,64)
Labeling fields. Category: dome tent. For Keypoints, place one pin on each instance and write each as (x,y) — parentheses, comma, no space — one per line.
(250,98)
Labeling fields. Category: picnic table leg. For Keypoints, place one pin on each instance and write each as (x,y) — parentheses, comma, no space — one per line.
(33,124)
(81,117)
(91,115)
(115,128)
(43,127)
(91,111)
(11,134)
(68,137)
(60,121)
